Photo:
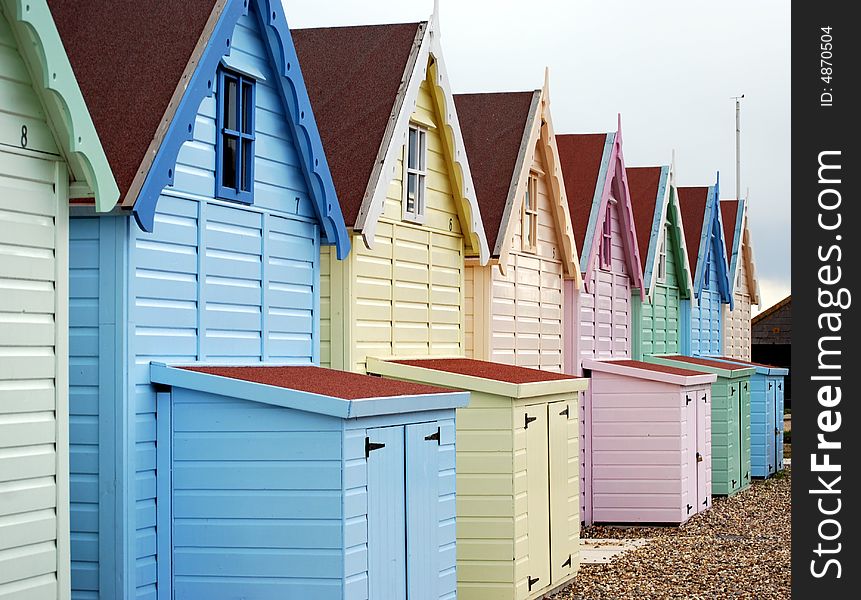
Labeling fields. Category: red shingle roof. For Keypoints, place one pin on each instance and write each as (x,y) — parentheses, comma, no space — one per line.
(493,127)
(693,202)
(637,364)
(729,213)
(747,362)
(580,157)
(695,360)
(486,370)
(353,75)
(643,183)
(128,60)
(325,382)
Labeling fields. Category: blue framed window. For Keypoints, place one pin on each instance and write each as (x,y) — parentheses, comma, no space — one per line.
(234,146)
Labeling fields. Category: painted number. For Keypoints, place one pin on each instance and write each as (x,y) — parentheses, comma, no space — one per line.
(23,136)
(450,224)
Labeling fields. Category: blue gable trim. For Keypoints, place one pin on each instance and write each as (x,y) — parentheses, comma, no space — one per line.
(655,235)
(297,105)
(712,223)
(596,202)
(736,244)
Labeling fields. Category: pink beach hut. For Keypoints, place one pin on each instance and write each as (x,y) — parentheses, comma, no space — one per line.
(644,441)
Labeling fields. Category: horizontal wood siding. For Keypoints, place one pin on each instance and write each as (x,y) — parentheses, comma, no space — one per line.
(706,312)
(660,317)
(407,293)
(259,519)
(527,299)
(736,322)
(33,341)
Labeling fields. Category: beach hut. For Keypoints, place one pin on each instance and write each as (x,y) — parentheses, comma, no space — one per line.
(217,156)
(518,523)
(513,307)
(664,259)
(650,455)
(49,153)
(736,338)
(730,419)
(306,482)
(767,393)
(704,235)
(771,334)
(387,117)
(599,202)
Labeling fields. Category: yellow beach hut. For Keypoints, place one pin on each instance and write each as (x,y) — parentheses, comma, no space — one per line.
(384,107)
(514,304)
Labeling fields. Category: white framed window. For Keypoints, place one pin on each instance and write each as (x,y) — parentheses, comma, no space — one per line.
(606,245)
(415,175)
(662,256)
(529,217)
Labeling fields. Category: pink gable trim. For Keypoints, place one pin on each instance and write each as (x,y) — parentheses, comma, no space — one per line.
(626,215)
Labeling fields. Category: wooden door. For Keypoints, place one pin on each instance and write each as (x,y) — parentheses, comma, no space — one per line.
(422,505)
(534,421)
(770,429)
(778,429)
(703,448)
(387,573)
(562,468)
(744,430)
(586,457)
(691,457)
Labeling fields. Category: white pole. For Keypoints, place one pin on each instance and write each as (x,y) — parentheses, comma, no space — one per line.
(738,147)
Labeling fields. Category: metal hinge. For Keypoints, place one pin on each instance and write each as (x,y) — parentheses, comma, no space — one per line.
(699,457)
(770,467)
(733,483)
(705,397)
(531,581)
(564,412)
(371,446)
(706,501)
(732,390)
(687,399)
(433,436)
(567,563)
(770,384)
(780,386)
(747,475)
(690,506)
(745,386)
(528,420)
(776,431)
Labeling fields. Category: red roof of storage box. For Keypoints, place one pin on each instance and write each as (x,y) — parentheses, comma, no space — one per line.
(715,364)
(638,364)
(325,382)
(486,370)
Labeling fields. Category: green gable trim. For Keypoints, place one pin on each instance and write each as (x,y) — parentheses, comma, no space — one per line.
(54,81)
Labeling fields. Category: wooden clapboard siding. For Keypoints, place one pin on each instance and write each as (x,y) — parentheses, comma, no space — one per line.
(605,313)
(736,322)
(707,310)
(405,295)
(34,510)
(658,325)
(526,301)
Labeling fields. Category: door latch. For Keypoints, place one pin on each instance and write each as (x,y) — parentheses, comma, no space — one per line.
(528,420)
(699,457)
(434,436)
(531,581)
(371,446)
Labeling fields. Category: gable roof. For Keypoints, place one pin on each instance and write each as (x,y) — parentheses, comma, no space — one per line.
(771,310)
(144,73)
(701,216)
(384,55)
(54,81)
(596,161)
(738,244)
(501,131)
(647,185)
(353,76)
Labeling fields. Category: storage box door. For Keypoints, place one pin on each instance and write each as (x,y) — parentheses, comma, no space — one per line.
(703,446)
(533,420)
(733,441)
(779,424)
(586,457)
(387,572)
(564,534)
(770,430)
(690,455)
(744,429)
(423,508)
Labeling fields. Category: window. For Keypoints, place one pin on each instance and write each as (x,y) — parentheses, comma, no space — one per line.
(662,256)
(707,275)
(415,174)
(234,146)
(606,245)
(529,218)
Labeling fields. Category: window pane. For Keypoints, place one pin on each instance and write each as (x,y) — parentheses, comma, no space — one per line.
(422,150)
(230,103)
(228,161)
(411,193)
(412,149)
(247,158)
(420,208)
(247,106)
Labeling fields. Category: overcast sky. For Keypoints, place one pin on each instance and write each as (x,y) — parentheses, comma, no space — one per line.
(669,67)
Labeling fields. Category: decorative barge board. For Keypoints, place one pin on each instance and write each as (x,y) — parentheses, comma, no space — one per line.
(742,276)
(518,524)
(219,160)
(704,235)
(648,442)
(306,482)
(49,152)
(599,203)
(730,419)
(514,303)
(666,269)
(386,113)
(766,417)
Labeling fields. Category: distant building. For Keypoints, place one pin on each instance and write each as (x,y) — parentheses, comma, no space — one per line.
(771,337)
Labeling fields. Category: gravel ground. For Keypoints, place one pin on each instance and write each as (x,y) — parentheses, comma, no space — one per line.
(739,549)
